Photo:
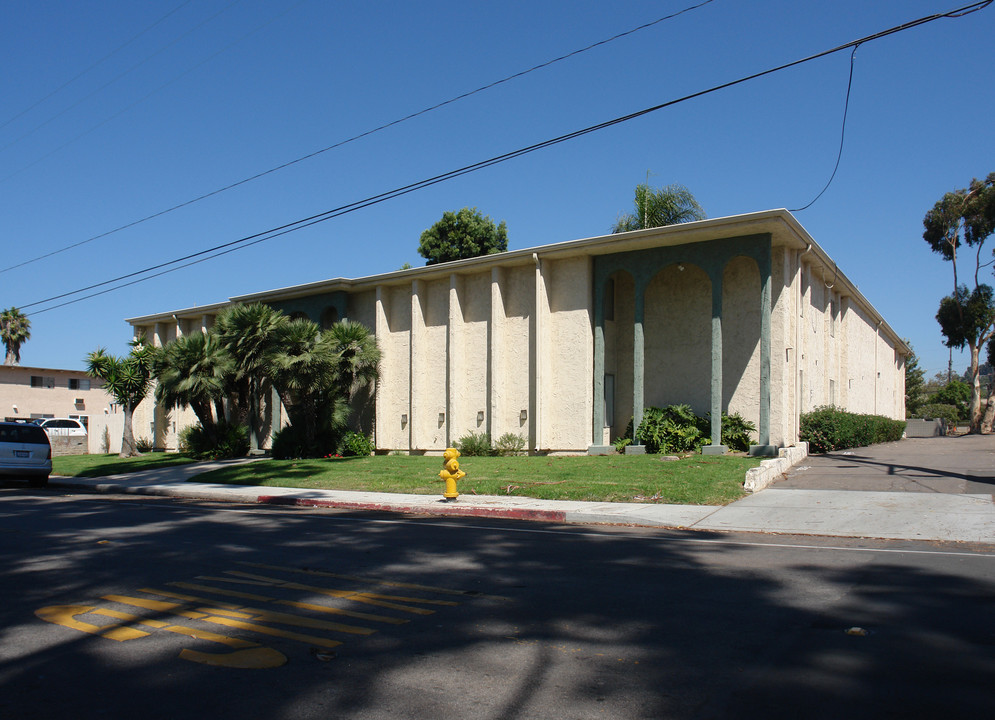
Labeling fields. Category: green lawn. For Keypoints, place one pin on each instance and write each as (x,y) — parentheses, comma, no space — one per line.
(101,465)
(695,480)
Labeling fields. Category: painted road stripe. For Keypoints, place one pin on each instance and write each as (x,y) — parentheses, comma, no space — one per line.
(374,581)
(291,603)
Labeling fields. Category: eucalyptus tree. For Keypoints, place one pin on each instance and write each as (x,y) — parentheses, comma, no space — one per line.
(963,220)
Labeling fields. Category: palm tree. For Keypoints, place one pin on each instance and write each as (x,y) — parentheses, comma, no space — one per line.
(128,379)
(15,329)
(359,357)
(246,334)
(669,205)
(192,371)
(303,367)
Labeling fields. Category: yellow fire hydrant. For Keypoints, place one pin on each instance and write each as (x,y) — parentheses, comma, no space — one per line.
(451,473)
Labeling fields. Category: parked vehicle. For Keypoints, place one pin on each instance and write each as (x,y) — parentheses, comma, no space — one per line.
(25,451)
(62,427)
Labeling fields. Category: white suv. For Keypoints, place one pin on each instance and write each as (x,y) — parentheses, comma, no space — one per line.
(62,427)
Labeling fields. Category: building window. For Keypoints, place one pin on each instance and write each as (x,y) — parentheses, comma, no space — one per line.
(832,393)
(832,318)
(39,381)
(79,384)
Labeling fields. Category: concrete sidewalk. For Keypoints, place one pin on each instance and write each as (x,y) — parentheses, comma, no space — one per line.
(935,516)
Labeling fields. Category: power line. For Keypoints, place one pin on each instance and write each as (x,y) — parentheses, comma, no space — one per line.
(102,87)
(81,73)
(287,228)
(339,144)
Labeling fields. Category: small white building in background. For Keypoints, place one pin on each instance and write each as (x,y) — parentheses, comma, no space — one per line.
(31,392)
(564,343)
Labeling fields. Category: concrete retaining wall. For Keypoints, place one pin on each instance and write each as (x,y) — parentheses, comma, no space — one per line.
(770,470)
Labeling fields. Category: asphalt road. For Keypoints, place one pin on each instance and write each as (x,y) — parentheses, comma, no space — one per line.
(962,464)
(116,607)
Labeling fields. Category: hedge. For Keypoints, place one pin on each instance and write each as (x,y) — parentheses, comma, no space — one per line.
(829,428)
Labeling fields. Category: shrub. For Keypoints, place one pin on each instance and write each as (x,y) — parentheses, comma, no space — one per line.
(289,444)
(230,440)
(622,443)
(478,444)
(144,445)
(828,428)
(674,428)
(356,444)
(939,411)
(736,432)
(510,444)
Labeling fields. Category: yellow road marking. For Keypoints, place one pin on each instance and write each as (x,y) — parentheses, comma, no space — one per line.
(355,595)
(248,655)
(375,581)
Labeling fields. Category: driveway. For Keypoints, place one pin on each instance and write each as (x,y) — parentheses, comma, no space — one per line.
(949,465)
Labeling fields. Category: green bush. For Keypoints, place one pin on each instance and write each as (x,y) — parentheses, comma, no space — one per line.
(939,411)
(674,428)
(622,443)
(957,394)
(478,444)
(828,428)
(356,444)
(289,444)
(229,441)
(736,432)
(510,444)
(144,445)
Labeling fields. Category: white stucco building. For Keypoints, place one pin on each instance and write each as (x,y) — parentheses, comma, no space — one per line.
(564,343)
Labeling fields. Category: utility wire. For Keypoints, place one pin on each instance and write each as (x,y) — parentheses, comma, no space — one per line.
(257,238)
(81,73)
(339,144)
(846,107)
(102,87)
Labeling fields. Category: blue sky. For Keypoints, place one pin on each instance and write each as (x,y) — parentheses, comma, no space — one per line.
(215,91)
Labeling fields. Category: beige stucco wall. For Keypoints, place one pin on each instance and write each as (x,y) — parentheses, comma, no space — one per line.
(505,343)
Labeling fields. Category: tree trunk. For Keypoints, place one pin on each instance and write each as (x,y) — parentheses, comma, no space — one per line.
(128,448)
(975,412)
(989,419)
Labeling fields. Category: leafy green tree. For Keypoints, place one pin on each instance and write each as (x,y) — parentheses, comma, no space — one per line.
(669,205)
(463,234)
(15,329)
(128,379)
(915,384)
(965,218)
(194,371)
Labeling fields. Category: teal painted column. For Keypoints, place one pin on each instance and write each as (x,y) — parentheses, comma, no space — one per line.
(638,359)
(598,422)
(763,447)
(716,448)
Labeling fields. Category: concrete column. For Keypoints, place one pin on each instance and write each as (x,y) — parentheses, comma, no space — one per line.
(638,360)
(380,330)
(455,371)
(205,323)
(716,448)
(598,420)
(495,353)
(417,341)
(763,430)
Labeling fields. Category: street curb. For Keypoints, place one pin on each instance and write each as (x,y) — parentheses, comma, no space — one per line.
(770,471)
(447,509)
